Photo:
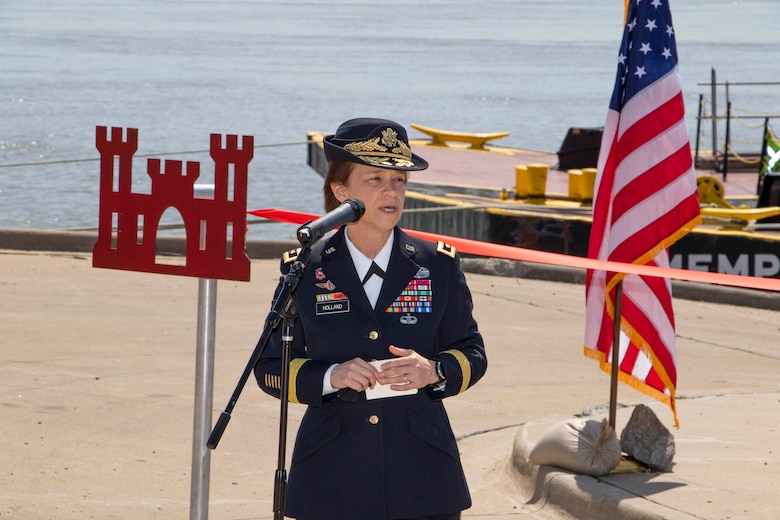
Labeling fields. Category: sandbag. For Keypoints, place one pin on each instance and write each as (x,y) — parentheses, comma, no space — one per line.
(580,445)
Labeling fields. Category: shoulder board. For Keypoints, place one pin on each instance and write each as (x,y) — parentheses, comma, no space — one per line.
(444,248)
(291,255)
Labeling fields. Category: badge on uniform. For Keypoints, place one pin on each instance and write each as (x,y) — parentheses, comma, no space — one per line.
(423,272)
(408,319)
(327,284)
(332,303)
(417,297)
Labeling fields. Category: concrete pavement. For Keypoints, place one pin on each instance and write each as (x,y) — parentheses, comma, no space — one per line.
(97,371)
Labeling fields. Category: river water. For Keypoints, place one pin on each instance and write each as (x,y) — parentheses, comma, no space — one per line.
(181,70)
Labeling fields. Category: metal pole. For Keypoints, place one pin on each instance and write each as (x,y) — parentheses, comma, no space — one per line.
(204,386)
(714,95)
(727,141)
(615,354)
(698,130)
(204,394)
(728,93)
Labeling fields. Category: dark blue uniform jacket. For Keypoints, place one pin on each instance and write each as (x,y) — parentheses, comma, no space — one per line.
(382,458)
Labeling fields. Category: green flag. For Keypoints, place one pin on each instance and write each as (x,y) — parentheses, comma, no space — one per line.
(771,154)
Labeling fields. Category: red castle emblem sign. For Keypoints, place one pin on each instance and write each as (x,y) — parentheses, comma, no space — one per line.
(215,227)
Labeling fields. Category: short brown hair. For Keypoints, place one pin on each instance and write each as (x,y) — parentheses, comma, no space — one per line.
(338,171)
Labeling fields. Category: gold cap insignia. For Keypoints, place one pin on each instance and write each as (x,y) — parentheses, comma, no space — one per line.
(391,151)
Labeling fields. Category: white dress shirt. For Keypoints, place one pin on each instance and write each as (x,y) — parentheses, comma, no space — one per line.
(372,287)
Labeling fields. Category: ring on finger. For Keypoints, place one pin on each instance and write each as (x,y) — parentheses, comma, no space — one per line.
(406,379)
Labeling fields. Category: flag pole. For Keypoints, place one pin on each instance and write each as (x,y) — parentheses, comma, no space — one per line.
(761,171)
(615,354)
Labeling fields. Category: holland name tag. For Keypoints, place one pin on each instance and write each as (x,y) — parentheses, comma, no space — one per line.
(332,303)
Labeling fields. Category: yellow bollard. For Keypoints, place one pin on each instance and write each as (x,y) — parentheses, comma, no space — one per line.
(575,184)
(711,191)
(537,179)
(588,182)
(521,182)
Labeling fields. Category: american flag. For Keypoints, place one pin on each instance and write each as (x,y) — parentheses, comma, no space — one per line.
(645,199)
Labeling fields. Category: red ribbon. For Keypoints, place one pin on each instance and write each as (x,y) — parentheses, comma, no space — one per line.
(488,249)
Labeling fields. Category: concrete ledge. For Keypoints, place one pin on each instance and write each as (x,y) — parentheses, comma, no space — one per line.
(521,269)
(45,240)
(82,242)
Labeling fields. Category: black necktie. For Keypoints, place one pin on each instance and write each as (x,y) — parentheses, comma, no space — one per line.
(374,269)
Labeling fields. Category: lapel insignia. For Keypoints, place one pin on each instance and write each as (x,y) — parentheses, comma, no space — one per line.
(290,255)
(444,248)
(318,274)
(410,248)
(330,250)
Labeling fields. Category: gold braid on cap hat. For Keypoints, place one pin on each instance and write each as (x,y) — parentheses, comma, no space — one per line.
(373,152)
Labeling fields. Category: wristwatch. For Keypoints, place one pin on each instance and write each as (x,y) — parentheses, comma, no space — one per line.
(436,390)
(440,374)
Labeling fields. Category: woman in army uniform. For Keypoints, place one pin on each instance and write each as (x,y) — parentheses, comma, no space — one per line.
(384,332)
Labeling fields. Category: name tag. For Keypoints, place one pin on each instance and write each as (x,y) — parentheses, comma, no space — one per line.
(332,303)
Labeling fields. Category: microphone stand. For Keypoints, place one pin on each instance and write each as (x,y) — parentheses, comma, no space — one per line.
(284,309)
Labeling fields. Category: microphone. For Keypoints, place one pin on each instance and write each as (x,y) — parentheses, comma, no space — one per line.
(348,211)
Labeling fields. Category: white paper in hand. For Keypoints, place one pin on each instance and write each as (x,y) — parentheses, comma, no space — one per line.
(383,391)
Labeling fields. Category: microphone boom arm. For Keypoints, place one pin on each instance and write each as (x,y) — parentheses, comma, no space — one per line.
(287,285)
(283,308)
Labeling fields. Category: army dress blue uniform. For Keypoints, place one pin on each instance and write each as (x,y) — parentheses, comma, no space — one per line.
(391,458)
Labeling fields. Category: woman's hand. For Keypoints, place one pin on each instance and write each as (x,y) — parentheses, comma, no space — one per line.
(410,370)
(356,374)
